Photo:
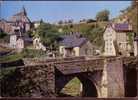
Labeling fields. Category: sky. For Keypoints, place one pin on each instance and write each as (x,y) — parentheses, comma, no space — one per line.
(53,11)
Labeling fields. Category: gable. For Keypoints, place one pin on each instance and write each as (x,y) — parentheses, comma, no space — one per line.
(109,31)
(87,44)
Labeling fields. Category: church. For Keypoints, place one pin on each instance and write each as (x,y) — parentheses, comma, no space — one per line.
(16,27)
(17,20)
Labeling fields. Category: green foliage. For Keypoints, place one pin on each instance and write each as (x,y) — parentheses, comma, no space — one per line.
(130,38)
(72,88)
(93,31)
(31,53)
(67,29)
(2,34)
(90,20)
(133,17)
(6,71)
(48,33)
(95,35)
(13,84)
(30,33)
(10,58)
(103,15)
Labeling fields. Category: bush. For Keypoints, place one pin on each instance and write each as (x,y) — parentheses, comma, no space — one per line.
(10,58)
(31,53)
(2,34)
(102,15)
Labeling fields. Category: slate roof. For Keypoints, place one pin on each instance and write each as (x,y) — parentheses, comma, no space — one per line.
(70,41)
(26,39)
(121,27)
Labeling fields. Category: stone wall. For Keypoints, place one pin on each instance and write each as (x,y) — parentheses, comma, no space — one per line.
(112,79)
(31,81)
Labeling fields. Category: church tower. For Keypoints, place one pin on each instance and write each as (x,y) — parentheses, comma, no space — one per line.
(24,11)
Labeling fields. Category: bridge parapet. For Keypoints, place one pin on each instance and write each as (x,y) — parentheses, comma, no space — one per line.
(80,66)
(30,61)
(130,60)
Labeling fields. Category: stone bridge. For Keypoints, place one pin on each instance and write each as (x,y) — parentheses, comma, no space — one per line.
(100,76)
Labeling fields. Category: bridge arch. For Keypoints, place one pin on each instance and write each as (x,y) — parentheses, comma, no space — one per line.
(89,87)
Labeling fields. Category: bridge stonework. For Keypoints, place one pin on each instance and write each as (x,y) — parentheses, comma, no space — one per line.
(107,75)
(100,77)
(112,79)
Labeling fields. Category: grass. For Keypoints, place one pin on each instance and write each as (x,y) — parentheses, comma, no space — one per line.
(10,58)
(72,88)
(27,53)
(2,49)
(32,53)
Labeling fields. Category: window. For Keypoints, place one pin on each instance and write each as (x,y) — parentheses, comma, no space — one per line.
(73,52)
(86,51)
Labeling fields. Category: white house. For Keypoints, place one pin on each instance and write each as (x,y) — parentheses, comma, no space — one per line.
(116,39)
(38,45)
(109,38)
(13,39)
(20,44)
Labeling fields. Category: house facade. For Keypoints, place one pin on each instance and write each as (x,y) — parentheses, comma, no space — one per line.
(136,46)
(20,44)
(117,40)
(109,38)
(75,45)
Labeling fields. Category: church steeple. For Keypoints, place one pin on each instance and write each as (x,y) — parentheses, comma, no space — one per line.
(24,11)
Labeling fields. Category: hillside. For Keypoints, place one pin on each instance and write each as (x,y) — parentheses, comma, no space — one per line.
(131,13)
(93,31)
(133,16)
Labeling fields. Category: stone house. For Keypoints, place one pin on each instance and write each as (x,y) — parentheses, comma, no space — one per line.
(117,40)
(75,45)
(136,46)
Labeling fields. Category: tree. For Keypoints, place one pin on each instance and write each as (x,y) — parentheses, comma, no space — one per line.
(95,35)
(60,22)
(70,21)
(90,20)
(2,34)
(30,33)
(103,15)
(48,34)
